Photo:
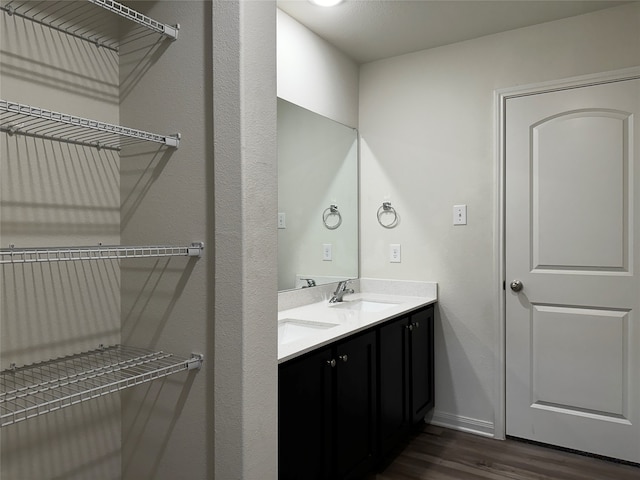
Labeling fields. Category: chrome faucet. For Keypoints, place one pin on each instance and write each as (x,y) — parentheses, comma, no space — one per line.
(340,292)
(310,282)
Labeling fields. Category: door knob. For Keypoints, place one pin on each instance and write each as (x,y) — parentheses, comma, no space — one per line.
(516,285)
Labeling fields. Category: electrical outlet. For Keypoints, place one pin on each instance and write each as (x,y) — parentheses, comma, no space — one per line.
(394,253)
(282,220)
(327,254)
(459,214)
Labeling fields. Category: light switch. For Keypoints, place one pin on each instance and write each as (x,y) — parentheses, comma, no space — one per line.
(459,214)
(327,254)
(282,220)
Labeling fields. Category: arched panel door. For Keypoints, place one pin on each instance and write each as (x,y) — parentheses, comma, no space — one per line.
(572,225)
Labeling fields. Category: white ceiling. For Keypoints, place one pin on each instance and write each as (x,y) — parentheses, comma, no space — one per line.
(368,30)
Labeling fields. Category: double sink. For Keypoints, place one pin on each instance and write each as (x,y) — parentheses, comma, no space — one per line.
(306,326)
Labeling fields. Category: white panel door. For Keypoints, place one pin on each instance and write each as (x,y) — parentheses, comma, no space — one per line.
(572,226)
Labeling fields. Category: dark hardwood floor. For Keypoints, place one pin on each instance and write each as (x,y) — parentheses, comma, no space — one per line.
(443,454)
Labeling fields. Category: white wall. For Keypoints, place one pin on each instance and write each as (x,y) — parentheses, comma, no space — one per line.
(427,128)
(165,87)
(314,74)
(245,195)
(215,85)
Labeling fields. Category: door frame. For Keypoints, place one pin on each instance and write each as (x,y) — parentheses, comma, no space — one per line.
(500,98)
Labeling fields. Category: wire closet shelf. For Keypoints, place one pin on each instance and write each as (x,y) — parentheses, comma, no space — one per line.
(100,252)
(17,118)
(81,20)
(39,388)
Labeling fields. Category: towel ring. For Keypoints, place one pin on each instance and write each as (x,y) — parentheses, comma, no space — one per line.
(386,208)
(331,211)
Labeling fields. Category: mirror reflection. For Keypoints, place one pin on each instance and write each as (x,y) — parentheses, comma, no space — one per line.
(317,199)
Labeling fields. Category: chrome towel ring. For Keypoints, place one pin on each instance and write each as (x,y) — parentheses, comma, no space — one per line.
(386,210)
(328,214)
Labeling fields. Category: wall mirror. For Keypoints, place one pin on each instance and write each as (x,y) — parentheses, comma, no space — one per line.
(317,199)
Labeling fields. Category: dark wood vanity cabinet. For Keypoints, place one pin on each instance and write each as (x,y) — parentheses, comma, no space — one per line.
(345,408)
(421,359)
(327,412)
(405,383)
(305,417)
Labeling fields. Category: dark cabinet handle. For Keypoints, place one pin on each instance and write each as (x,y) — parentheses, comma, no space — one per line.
(332,362)
(343,358)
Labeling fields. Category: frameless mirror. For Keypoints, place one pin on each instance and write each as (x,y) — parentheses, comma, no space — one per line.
(317,199)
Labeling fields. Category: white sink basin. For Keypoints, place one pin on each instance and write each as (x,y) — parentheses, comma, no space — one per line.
(291,329)
(364,305)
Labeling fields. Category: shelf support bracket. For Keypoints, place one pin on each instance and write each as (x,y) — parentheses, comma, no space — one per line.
(195,249)
(172,140)
(195,362)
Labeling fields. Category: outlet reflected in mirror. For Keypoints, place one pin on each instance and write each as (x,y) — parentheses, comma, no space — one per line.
(317,169)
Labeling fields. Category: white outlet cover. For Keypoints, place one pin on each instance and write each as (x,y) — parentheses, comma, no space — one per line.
(395,253)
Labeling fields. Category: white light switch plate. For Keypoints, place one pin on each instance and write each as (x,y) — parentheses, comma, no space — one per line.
(459,214)
(282,220)
(327,253)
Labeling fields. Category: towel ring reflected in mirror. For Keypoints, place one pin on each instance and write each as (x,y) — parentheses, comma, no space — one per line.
(331,217)
(386,211)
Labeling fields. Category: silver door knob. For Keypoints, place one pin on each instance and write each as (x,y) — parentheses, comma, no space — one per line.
(516,285)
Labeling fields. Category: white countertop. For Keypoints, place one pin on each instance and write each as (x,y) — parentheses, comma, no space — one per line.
(344,321)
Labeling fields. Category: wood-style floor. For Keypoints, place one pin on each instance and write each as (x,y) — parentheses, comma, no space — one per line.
(443,454)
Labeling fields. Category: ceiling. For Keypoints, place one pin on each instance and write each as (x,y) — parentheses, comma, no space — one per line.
(368,30)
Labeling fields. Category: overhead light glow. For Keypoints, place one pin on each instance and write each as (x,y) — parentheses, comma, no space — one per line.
(326,3)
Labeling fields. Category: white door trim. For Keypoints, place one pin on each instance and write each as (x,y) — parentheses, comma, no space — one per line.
(500,98)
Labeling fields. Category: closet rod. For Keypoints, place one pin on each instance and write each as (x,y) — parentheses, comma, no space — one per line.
(44,387)
(18,118)
(100,252)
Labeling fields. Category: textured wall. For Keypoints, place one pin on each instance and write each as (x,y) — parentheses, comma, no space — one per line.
(180,426)
(165,87)
(245,186)
(427,127)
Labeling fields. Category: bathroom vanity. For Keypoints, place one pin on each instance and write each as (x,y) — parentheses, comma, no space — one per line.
(354,378)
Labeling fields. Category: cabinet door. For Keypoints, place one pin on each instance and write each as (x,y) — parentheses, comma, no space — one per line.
(355,426)
(305,417)
(393,388)
(421,351)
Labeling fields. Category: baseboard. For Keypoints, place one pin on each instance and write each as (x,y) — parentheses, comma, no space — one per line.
(463,424)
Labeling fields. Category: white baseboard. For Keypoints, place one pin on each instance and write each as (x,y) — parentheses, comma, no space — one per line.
(463,424)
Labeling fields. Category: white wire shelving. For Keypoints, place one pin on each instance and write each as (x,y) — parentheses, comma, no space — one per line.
(81,20)
(39,388)
(18,118)
(100,252)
